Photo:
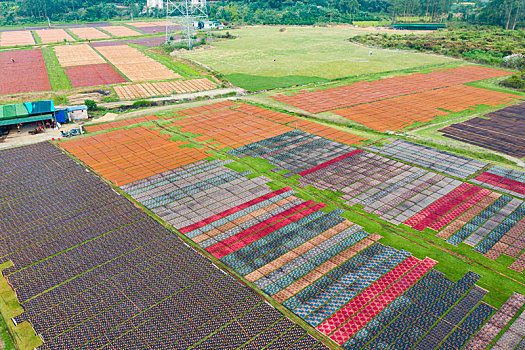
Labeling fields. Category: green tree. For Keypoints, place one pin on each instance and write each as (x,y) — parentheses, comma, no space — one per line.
(505,13)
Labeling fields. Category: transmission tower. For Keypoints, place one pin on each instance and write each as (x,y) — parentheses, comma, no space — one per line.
(188,14)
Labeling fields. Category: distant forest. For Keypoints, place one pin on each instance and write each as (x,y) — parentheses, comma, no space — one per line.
(508,14)
(30,11)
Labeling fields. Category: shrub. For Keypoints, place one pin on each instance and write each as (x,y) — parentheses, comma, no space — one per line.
(91,105)
(517,81)
(141,103)
(516,61)
(480,44)
(483,56)
(167,47)
(60,100)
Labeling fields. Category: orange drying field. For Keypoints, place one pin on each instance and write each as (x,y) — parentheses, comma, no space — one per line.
(305,125)
(327,132)
(121,123)
(246,124)
(367,91)
(135,65)
(227,127)
(124,156)
(204,109)
(22,37)
(89,33)
(53,35)
(133,91)
(399,112)
(267,114)
(119,31)
(77,55)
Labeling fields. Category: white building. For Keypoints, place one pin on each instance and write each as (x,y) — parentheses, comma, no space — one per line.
(77,113)
(208,25)
(155,3)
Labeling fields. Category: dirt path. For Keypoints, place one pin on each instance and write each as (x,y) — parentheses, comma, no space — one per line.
(152,110)
(15,139)
(181,97)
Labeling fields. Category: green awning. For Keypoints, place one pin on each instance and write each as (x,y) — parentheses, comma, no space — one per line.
(23,110)
(419,26)
(18,110)
(40,107)
(26,119)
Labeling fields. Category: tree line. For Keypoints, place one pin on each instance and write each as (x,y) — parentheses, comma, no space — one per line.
(36,11)
(508,14)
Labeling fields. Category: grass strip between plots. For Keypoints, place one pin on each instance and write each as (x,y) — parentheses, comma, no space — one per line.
(57,75)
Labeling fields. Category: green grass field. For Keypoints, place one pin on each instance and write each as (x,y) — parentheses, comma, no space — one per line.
(302,55)
(57,75)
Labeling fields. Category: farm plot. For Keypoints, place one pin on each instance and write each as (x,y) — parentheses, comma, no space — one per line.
(133,91)
(53,35)
(399,193)
(153,29)
(98,25)
(267,114)
(493,226)
(151,42)
(120,31)
(147,24)
(490,330)
(245,124)
(189,194)
(431,312)
(324,268)
(227,127)
(296,151)
(429,158)
(503,180)
(77,55)
(396,192)
(107,43)
(147,42)
(89,33)
(93,74)
(22,37)
(98,272)
(29,64)
(124,157)
(390,189)
(301,124)
(135,65)
(399,112)
(85,67)
(185,86)
(331,273)
(503,131)
(327,132)
(319,265)
(120,123)
(206,108)
(365,92)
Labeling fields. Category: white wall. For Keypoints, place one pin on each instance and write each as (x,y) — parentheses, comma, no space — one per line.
(78,115)
(156,3)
